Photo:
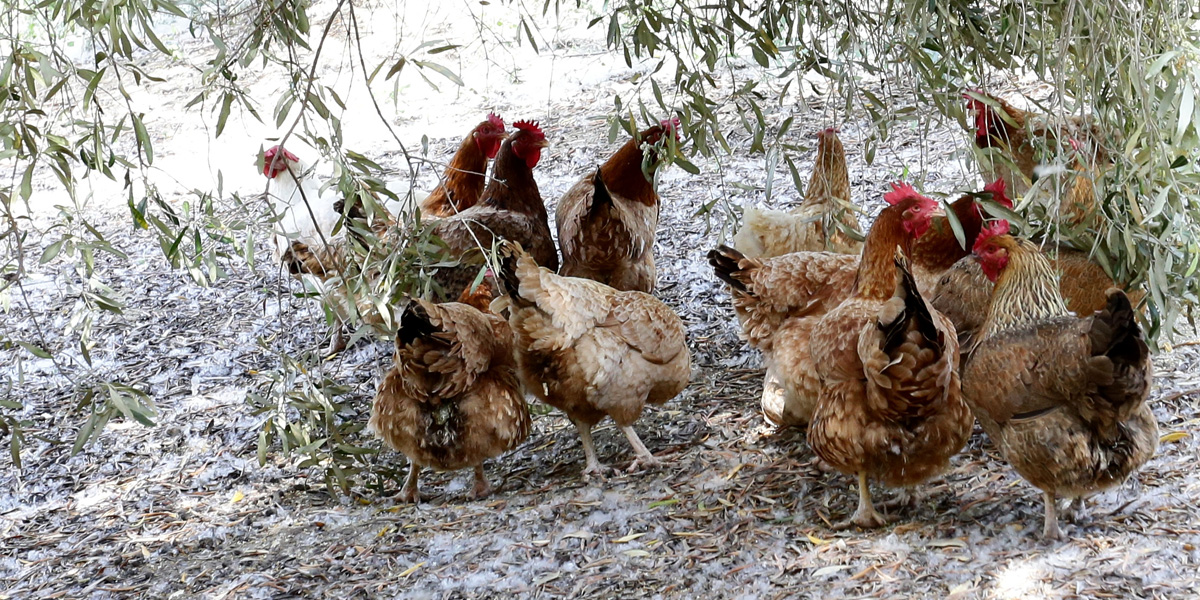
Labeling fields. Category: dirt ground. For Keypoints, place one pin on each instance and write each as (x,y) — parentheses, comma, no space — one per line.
(738,510)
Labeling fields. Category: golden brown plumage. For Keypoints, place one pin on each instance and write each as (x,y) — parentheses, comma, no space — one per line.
(963,293)
(462,183)
(511,209)
(1064,398)
(890,405)
(607,221)
(452,398)
(777,300)
(592,351)
(821,223)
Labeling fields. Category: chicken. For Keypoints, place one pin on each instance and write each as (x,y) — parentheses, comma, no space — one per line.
(452,398)
(462,183)
(607,221)
(511,209)
(305,214)
(1024,146)
(304,241)
(939,249)
(820,223)
(777,301)
(963,292)
(590,350)
(1062,397)
(890,405)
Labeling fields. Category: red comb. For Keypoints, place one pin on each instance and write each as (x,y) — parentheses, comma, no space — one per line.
(671,124)
(830,131)
(901,191)
(273,150)
(532,127)
(1075,145)
(495,119)
(997,188)
(991,230)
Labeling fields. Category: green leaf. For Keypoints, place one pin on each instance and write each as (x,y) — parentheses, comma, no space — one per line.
(443,71)
(34,350)
(226,103)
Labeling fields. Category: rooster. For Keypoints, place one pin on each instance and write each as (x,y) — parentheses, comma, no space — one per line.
(462,183)
(890,405)
(591,350)
(1063,397)
(511,208)
(607,221)
(452,399)
(821,223)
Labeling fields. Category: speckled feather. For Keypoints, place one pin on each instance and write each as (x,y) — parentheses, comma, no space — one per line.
(590,350)
(452,398)
(607,235)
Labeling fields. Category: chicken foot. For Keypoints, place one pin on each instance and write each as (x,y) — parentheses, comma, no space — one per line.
(337,340)
(865,516)
(409,492)
(643,455)
(482,487)
(1050,529)
(593,466)
(1077,511)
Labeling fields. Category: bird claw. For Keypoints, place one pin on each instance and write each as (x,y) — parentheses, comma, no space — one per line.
(481,490)
(410,496)
(864,520)
(595,472)
(648,462)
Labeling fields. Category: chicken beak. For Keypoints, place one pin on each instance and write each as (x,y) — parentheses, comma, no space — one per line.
(938,212)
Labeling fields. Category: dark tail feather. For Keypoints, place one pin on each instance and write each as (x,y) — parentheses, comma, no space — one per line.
(725,262)
(508,254)
(914,308)
(601,198)
(1116,334)
(414,324)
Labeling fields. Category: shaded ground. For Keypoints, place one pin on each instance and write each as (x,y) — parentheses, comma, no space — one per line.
(183,510)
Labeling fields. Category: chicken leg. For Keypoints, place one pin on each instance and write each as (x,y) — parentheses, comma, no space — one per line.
(593,466)
(482,487)
(643,455)
(337,339)
(1050,529)
(409,492)
(865,516)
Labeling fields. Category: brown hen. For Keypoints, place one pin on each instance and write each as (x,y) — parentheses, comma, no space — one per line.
(1021,146)
(890,406)
(821,223)
(452,398)
(1064,398)
(462,183)
(607,221)
(511,209)
(592,351)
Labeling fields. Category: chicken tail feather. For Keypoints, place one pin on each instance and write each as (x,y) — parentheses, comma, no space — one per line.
(414,324)
(915,308)
(601,198)
(509,253)
(1115,332)
(726,263)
